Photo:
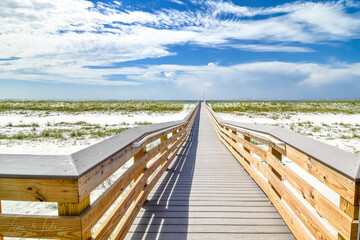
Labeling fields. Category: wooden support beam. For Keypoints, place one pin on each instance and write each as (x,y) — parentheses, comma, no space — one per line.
(174,133)
(233,139)
(39,190)
(1,238)
(246,149)
(353,212)
(40,227)
(278,155)
(163,139)
(137,156)
(75,209)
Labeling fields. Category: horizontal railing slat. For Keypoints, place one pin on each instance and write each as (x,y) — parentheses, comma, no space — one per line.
(268,164)
(341,184)
(39,190)
(51,227)
(336,217)
(125,225)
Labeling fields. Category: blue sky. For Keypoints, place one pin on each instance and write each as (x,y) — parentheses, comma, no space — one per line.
(173,49)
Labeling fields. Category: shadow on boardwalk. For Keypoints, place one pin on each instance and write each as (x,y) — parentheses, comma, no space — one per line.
(168,204)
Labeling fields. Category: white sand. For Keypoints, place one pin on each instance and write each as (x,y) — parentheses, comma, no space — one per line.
(333,129)
(330,133)
(67,146)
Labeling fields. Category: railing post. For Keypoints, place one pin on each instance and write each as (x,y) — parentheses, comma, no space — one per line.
(137,156)
(247,138)
(163,139)
(75,209)
(232,139)
(173,133)
(1,238)
(353,212)
(278,155)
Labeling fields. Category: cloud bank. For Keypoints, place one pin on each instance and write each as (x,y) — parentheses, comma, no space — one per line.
(56,41)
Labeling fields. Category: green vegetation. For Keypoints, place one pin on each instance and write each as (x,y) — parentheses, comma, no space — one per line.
(85,106)
(348,107)
(62,134)
(143,123)
(52,133)
(107,132)
(23,125)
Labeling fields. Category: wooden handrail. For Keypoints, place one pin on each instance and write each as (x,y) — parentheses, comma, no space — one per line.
(337,169)
(69,180)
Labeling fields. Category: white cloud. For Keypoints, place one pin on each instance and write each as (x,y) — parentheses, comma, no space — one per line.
(177,1)
(196,77)
(56,39)
(269,48)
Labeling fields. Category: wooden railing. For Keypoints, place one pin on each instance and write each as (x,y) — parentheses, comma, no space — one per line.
(304,215)
(69,180)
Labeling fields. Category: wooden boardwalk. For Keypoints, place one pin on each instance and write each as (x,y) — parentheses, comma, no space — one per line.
(206,194)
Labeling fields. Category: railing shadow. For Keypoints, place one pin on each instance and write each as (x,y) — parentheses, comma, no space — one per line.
(167,210)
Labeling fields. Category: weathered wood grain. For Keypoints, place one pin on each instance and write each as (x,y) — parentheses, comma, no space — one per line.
(40,227)
(40,190)
(341,184)
(337,218)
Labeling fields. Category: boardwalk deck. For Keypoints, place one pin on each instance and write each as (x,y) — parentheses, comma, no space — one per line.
(206,194)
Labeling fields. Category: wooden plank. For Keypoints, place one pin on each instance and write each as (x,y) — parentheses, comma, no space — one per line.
(229,215)
(174,133)
(337,218)
(278,155)
(206,228)
(164,144)
(119,211)
(212,203)
(240,222)
(317,229)
(113,219)
(153,138)
(75,209)
(341,184)
(99,174)
(40,227)
(92,179)
(291,221)
(211,236)
(125,225)
(1,238)
(248,145)
(262,209)
(163,139)
(185,213)
(258,179)
(353,212)
(39,190)
(93,214)
(137,156)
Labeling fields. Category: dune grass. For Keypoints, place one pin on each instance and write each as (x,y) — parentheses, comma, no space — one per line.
(347,107)
(85,106)
(63,134)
